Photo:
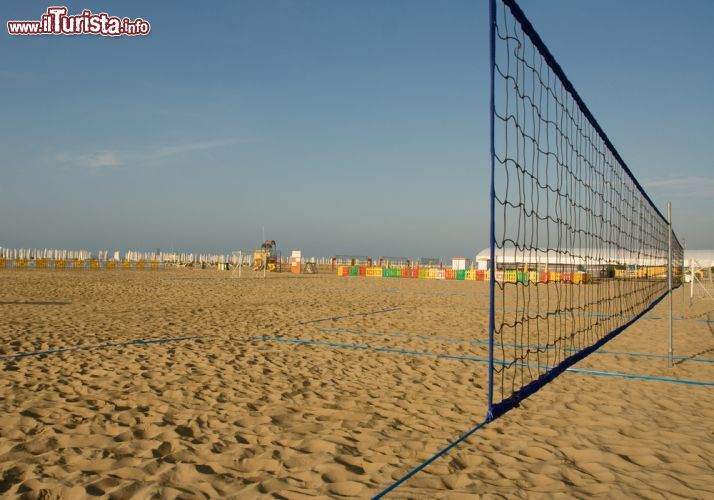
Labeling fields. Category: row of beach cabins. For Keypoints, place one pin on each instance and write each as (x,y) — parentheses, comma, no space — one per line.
(503,275)
(342,265)
(516,270)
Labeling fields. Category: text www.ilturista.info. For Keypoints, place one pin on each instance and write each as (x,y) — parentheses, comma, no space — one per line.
(56,22)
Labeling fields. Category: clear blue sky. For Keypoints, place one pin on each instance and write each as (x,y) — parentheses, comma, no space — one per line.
(341,127)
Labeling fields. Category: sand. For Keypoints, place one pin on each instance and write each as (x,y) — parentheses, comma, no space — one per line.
(228,415)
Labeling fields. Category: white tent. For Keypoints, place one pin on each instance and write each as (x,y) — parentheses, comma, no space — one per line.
(703,258)
(569,257)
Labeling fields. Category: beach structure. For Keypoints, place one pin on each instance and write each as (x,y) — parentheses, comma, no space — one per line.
(699,273)
(267,257)
(349,260)
(460,263)
(296,261)
(430,262)
(386,261)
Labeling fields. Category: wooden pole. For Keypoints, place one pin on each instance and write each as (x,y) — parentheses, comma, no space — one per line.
(691,281)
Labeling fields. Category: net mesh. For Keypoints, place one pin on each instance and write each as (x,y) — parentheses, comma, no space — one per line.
(580,250)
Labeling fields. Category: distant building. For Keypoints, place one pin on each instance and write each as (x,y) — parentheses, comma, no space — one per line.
(460,263)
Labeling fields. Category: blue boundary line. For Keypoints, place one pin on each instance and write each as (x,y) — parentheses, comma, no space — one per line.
(429,461)
(527,346)
(93,347)
(474,359)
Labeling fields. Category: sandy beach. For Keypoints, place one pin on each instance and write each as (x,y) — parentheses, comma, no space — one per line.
(299,386)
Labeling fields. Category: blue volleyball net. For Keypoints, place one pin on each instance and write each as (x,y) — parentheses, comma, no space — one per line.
(578,249)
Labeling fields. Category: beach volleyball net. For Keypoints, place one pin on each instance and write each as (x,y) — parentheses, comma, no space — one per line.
(578,249)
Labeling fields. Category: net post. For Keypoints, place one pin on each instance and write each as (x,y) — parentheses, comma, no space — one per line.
(492,236)
(669,277)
